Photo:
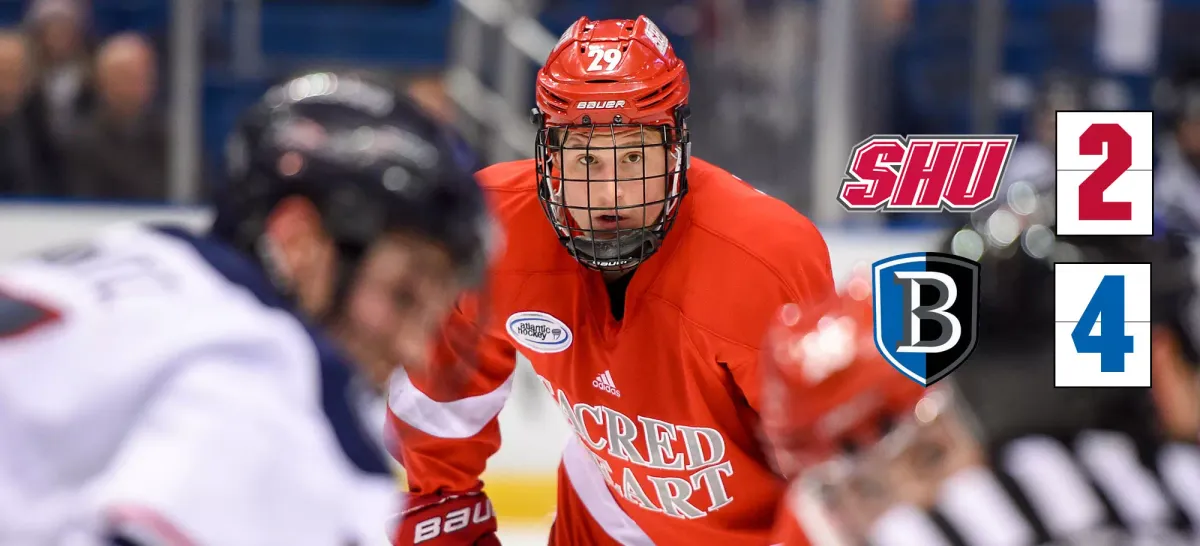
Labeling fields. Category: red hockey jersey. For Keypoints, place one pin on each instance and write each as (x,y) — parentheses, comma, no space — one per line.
(664,402)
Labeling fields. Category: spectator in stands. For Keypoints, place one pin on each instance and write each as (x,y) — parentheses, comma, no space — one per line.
(1033,161)
(429,90)
(18,172)
(1177,178)
(62,92)
(120,151)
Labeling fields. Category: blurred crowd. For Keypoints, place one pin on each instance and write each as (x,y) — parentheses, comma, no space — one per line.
(1177,146)
(79,118)
(84,117)
(82,114)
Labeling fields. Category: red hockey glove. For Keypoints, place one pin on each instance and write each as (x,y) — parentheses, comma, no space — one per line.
(448,520)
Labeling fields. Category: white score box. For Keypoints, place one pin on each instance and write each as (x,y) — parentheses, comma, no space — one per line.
(1101,325)
(1104,181)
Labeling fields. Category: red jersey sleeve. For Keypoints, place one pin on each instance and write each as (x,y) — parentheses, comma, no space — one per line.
(803,275)
(441,421)
(768,253)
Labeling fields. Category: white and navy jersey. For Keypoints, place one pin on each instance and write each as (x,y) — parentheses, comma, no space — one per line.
(1097,488)
(155,382)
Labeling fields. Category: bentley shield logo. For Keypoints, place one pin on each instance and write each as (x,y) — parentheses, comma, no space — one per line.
(926,313)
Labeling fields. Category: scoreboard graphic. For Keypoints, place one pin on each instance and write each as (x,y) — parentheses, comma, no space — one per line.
(1101,325)
(1103,173)
(1103,187)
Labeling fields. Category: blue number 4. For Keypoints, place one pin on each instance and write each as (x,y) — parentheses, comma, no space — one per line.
(1112,344)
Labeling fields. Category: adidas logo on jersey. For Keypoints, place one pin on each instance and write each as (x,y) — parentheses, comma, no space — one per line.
(605,383)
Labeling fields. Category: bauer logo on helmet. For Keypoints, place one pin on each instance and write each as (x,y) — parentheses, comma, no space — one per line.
(599,104)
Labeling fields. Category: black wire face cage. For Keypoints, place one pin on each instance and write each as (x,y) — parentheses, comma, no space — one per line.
(614,188)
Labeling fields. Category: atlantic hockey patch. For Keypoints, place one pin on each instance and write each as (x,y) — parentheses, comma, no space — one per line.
(539,332)
(19,316)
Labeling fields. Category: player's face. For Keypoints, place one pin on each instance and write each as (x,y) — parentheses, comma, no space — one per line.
(1188,137)
(404,290)
(907,468)
(304,252)
(1175,386)
(932,453)
(614,179)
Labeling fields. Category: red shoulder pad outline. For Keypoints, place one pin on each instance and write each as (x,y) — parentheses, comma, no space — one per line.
(20,316)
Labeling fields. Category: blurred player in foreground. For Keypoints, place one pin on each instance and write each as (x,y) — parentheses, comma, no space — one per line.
(642,311)
(160,387)
(999,456)
(827,393)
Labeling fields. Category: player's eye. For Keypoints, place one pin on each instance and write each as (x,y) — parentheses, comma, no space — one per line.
(633,157)
(588,159)
(404,298)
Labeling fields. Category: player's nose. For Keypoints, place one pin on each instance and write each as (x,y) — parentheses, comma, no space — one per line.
(606,193)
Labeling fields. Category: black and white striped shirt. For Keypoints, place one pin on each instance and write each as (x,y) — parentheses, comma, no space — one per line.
(1097,488)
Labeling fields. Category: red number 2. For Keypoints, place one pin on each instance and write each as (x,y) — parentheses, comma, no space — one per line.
(1092,205)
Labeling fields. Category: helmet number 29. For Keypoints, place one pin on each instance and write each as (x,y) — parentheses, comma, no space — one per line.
(608,56)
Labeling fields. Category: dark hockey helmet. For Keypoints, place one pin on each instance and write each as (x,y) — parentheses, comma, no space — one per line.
(370,160)
(1017,248)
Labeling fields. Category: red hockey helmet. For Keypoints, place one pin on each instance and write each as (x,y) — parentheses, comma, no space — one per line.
(827,388)
(612,145)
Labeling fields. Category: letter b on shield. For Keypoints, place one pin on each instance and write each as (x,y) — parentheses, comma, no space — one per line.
(926,313)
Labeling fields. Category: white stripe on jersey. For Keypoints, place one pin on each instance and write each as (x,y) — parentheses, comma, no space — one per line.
(1055,486)
(1066,490)
(1112,461)
(905,525)
(974,501)
(1180,467)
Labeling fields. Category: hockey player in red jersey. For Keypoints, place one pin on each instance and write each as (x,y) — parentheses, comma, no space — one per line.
(641,304)
(827,392)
